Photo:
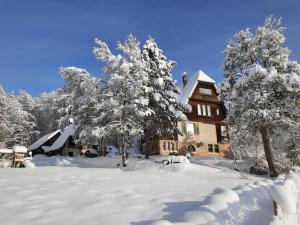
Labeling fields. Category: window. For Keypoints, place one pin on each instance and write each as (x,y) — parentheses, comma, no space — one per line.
(216,148)
(184,128)
(165,145)
(173,146)
(223,131)
(169,146)
(205,91)
(190,128)
(196,128)
(199,110)
(218,112)
(203,110)
(208,110)
(210,148)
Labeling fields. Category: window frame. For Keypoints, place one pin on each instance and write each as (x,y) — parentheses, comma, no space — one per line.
(199,111)
(218,148)
(212,148)
(203,110)
(208,108)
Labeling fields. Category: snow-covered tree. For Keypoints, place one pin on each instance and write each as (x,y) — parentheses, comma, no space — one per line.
(125,101)
(261,84)
(50,108)
(17,126)
(85,95)
(162,91)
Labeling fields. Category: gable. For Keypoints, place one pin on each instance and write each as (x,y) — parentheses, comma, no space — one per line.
(190,88)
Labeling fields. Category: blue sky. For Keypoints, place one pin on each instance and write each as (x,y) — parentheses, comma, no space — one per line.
(39,36)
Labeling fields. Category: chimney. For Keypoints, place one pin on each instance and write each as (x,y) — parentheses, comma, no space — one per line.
(184,79)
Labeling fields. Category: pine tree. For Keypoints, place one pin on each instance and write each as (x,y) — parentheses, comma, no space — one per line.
(17,125)
(85,95)
(162,94)
(261,84)
(124,103)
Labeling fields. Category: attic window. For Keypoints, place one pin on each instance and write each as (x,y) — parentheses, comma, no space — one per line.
(205,91)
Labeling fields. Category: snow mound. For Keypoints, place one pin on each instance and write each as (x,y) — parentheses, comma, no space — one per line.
(226,206)
(19,149)
(28,164)
(199,217)
(285,195)
(162,222)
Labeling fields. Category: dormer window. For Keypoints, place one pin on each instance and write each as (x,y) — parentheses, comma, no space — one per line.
(205,91)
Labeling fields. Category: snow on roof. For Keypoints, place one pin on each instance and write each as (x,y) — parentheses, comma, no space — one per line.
(42,140)
(61,140)
(6,150)
(19,149)
(192,82)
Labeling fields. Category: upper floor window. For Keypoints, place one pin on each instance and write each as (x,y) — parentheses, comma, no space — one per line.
(204,110)
(205,91)
(218,112)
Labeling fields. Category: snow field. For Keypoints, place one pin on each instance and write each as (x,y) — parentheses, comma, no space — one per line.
(82,191)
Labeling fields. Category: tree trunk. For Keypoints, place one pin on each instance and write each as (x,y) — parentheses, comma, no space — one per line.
(268,151)
(123,152)
(147,139)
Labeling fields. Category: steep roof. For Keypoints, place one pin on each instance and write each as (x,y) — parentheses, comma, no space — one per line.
(61,140)
(192,82)
(43,140)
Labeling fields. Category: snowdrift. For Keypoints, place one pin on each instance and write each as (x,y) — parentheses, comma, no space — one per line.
(247,204)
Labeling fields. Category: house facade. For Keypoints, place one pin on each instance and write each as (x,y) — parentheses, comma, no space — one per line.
(206,132)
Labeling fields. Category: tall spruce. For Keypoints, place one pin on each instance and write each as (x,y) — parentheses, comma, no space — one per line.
(162,94)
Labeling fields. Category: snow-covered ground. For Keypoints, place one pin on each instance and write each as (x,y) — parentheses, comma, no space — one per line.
(83,191)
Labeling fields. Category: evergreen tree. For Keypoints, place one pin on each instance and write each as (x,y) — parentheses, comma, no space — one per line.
(85,95)
(124,104)
(261,84)
(162,94)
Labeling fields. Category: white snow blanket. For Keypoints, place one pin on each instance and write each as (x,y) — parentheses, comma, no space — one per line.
(143,193)
(79,190)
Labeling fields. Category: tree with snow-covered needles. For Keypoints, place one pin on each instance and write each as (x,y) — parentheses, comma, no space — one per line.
(17,126)
(261,84)
(125,103)
(162,92)
(84,91)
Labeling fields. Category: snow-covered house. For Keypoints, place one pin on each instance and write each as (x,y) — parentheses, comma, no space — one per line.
(57,143)
(206,132)
(47,140)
